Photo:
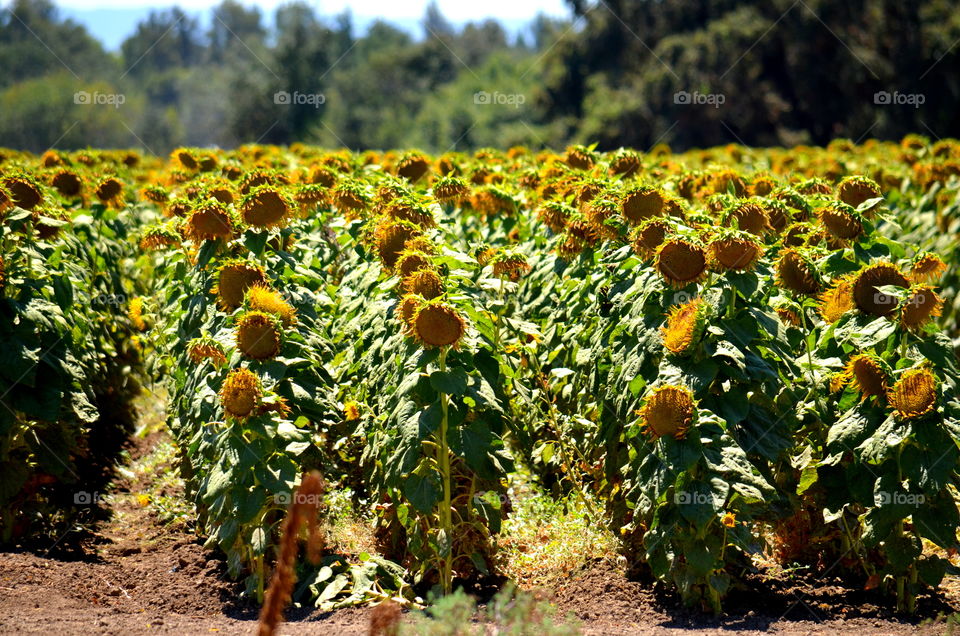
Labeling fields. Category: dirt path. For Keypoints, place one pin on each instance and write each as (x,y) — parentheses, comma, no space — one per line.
(139,575)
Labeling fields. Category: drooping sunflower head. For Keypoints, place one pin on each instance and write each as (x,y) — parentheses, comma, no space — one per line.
(209,221)
(159,236)
(649,236)
(914,394)
(410,261)
(736,253)
(425,283)
(67,183)
(24,191)
(841,221)
(723,181)
(668,411)
(259,297)
(241,394)
(110,191)
(580,157)
(155,194)
(206,348)
(681,262)
(837,300)
(927,267)
(816,185)
(684,326)
(412,166)
(351,197)
(555,214)
(391,238)
(510,263)
(450,189)
(265,207)
(258,335)
(749,216)
(854,190)
(406,309)
(797,273)
(641,203)
(763,184)
(185,159)
(409,209)
(437,324)
(234,278)
(921,305)
(491,200)
(866,374)
(866,293)
(625,163)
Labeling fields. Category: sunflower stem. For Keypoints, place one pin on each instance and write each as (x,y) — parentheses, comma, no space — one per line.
(443,459)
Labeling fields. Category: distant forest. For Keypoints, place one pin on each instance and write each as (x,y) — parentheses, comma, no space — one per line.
(689,73)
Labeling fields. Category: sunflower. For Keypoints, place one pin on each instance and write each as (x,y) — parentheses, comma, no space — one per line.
(866,374)
(579,157)
(67,183)
(234,278)
(258,335)
(921,305)
(110,191)
(350,197)
(642,203)
(351,411)
(914,394)
(241,394)
(206,348)
(841,221)
(265,207)
(425,283)
(649,236)
(184,158)
(24,192)
(668,410)
(158,237)
(413,166)
(135,313)
(854,190)
(778,214)
(261,298)
(391,238)
(735,253)
(681,262)
(208,222)
(408,209)
(155,194)
(437,324)
(684,326)
(625,163)
(796,273)
(837,300)
(321,176)
(406,309)
(788,315)
(450,189)
(866,294)
(927,267)
(555,215)
(510,263)
(748,216)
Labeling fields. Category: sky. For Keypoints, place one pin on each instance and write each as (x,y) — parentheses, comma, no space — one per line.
(113,20)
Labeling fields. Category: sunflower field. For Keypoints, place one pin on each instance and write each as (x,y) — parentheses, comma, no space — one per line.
(731,356)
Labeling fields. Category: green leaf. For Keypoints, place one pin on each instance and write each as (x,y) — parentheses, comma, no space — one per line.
(422,492)
(452,382)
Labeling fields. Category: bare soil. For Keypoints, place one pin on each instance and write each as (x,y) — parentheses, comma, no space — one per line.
(137,575)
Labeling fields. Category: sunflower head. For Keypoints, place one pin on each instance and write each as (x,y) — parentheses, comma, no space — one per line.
(510,263)
(209,221)
(241,394)
(67,183)
(749,216)
(914,394)
(841,221)
(684,326)
(450,189)
(155,194)
(649,236)
(24,191)
(158,237)
(437,324)
(555,215)
(412,166)
(736,253)
(234,278)
(259,297)
(258,335)
(391,239)
(406,309)
(265,207)
(350,197)
(816,185)
(866,374)
(837,300)
(425,283)
(135,313)
(921,305)
(854,190)
(206,348)
(110,190)
(866,294)
(927,267)
(580,157)
(681,262)
(409,209)
(668,410)
(642,203)
(185,159)
(797,273)
(762,185)
(625,163)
